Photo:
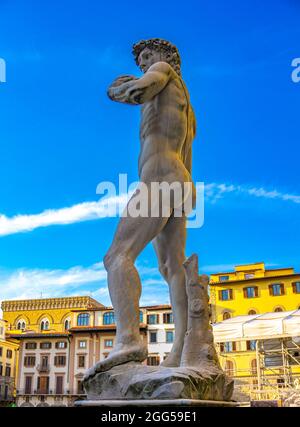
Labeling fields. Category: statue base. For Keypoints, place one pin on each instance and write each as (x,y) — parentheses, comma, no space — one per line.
(137,382)
(155,403)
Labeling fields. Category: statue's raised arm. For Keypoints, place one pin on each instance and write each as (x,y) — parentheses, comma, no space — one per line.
(130,90)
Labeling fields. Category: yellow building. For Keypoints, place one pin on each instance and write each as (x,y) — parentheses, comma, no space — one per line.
(253,289)
(44,315)
(8,366)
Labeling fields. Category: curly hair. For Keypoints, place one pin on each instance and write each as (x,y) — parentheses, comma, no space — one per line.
(160,45)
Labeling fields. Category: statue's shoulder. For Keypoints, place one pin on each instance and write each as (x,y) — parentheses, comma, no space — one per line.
(162,67)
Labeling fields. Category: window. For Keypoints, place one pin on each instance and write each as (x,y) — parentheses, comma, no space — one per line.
(82,344)
(169,336)
(108,343)
(67,324)
(45,325)
(249,276)
(168,318)
(45,345)
(60,360)
(224,278)
(153,360)
(251,292)
(81,361)
(225,294)
(296,287)
(141,317)
(109,318)
(228,347)
(30,345)
(83,319)
(276,289)
(229,368)
(59,385)
(21,325)
(9,354)
(28,385)
(61,344)
(29,361)
(44,361)
(7,371)
(226,315)
(152,319)
(1,369)
(153,337)
(251,345)
(252,312)
(278,310)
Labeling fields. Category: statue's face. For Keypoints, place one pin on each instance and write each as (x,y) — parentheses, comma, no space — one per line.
(149,57)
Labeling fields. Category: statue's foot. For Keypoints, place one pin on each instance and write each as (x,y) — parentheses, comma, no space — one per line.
(121,354)
(172,360)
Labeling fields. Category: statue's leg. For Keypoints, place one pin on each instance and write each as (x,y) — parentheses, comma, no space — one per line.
(170,249)
(131,237)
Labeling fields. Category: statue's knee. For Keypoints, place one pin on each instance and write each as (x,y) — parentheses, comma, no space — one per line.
(109,259)
(114,259)
(164,270)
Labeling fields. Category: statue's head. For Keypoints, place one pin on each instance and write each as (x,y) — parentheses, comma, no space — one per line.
(148,52)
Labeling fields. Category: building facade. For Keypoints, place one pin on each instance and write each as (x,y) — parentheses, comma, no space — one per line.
(253,289)
(8,366)
(57,348)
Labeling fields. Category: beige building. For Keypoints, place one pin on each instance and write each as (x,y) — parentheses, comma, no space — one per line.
(54,356)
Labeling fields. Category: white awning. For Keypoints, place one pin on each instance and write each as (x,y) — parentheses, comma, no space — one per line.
(258,326)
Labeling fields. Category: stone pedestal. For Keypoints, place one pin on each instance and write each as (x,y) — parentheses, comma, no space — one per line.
(134,381)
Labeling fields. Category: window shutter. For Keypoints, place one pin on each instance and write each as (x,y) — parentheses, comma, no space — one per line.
(271,290)
(248,345)
(245,292)
(294,288)
(281,289)
(256,291)
(233,346)
(220,295)
(230,294)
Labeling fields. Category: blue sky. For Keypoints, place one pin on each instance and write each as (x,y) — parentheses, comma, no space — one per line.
(60,135)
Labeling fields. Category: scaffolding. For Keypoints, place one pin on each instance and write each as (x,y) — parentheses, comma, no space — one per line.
(276,375)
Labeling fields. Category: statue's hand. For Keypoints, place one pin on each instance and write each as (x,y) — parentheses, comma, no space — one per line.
(117,89)
(122,79)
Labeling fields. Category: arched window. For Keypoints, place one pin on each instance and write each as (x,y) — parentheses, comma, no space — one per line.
(253,367)
(83,319)
(67,324)
(109,318)
(45,325)
(141,317)
(278,309)
(21,325)
(229,368)
(226,315)
(252,312)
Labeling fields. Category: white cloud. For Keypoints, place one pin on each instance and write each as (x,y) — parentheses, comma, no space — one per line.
(104,208)
(215,191)
(81,212)
(92,281)
(30,283)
